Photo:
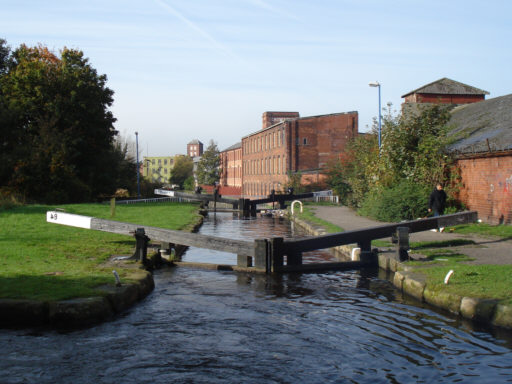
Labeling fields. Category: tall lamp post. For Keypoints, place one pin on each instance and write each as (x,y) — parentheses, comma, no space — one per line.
(138,168)
(377,84)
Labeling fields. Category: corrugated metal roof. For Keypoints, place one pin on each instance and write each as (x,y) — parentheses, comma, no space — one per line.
(447,86)
(485,126)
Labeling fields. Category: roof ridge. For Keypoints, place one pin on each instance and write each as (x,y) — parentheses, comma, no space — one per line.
(446,82)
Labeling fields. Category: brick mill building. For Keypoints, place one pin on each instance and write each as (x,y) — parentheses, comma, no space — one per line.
(231,170)
(287,144)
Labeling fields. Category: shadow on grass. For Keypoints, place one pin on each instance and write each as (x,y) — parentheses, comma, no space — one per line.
(51,286)
(441,244)
(446,258)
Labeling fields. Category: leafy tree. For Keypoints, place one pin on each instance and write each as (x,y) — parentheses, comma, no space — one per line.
(411,159)
(125,165)
(413,147)
(208,171)
(183,169)
(189,184)
(5,53)
(57,134)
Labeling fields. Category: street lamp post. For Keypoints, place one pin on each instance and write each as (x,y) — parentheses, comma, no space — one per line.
(138,168)
(377,84)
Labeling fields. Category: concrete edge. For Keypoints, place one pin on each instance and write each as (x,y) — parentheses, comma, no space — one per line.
(412,283)
(77,312)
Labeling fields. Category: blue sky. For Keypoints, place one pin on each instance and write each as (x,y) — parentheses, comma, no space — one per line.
(198,69)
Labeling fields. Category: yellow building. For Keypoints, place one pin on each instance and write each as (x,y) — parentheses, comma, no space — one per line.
(158,168)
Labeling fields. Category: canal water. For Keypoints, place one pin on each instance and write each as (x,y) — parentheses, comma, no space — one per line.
(222,327)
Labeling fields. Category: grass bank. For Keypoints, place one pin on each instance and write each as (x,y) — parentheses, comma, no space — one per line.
(44,261)
(483,229)
(478,281)
(308,214)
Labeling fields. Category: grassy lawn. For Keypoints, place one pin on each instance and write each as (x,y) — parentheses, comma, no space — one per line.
(308,215)
(44,261)
(479,281)
(503,231)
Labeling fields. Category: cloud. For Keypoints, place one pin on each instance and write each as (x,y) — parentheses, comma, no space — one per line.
(268,7)
(199,30)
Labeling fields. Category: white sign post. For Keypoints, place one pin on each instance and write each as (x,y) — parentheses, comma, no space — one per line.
(164,192)
(63,218)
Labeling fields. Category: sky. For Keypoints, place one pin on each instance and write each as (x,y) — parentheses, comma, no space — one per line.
(208,69)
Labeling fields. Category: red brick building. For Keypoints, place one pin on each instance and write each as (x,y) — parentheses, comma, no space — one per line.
(271,118)
(293,145)
(231,169)
(483,134)
(442,91)
(195,148)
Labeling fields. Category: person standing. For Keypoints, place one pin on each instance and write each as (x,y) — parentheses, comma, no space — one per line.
(437,202)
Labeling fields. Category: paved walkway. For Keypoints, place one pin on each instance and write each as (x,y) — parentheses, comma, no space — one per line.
(486,250)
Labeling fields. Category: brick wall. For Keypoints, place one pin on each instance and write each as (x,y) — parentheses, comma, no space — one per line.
(318,140)
(231,168)
(443,98)
(223,190)
(487,187)
(271,118)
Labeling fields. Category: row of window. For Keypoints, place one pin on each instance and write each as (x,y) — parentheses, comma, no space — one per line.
(233,172)
(274,165)
(153,161)
(264,142)
(158,170)
(260,189)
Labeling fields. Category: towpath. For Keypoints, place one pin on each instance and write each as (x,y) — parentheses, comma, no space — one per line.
(485,250)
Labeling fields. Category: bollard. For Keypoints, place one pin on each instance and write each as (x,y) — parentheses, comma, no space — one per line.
(116,276)
(402,236)
(141,249)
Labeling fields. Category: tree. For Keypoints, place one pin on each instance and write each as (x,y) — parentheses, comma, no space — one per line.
(57,134)
(411,159)
(208,167)
(182,170)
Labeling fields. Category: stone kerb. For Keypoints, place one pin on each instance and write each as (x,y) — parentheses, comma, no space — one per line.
(488,311)
(78,312)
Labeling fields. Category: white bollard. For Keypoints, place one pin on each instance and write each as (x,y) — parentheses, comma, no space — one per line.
(354,256)
(118,280)
(448,275)
(300,203)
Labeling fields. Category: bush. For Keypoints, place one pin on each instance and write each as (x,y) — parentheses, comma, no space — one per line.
(189,184)
(405,201)
(8,200)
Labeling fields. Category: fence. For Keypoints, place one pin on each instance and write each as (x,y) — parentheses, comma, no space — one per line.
(155,200)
